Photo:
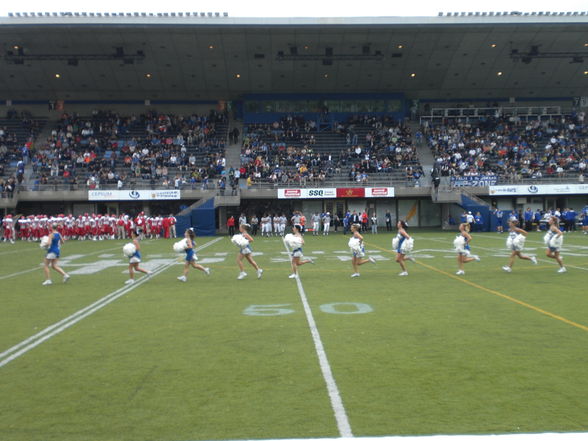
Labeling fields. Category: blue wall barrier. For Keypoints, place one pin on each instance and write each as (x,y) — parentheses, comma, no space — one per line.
(202,219)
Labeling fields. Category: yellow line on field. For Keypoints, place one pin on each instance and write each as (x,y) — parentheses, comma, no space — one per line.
(534,267)
(497,293)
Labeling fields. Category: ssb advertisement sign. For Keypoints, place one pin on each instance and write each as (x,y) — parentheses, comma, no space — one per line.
(332,193)
(530,190)
(307,193)
(133,195)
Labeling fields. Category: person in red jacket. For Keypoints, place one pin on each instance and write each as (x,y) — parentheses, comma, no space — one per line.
(231,225)
(364,221)
(165,224)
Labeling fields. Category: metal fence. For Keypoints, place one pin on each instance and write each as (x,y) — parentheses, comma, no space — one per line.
(214,186)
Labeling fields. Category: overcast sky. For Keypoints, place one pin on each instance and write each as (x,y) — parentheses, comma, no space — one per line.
(295,8)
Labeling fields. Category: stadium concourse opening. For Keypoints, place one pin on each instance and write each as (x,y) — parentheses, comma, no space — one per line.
(137,126)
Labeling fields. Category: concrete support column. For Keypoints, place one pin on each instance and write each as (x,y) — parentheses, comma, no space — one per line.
(222,220)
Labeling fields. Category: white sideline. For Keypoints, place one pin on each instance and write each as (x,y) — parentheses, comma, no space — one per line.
(334,395)
(56,328)
(491,437)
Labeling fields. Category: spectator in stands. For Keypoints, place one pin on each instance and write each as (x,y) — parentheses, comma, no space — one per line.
(509,147)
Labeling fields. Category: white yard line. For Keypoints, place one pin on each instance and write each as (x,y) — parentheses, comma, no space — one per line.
(55,329)
(334,395)
(49,332)
(8,276)
(4,253)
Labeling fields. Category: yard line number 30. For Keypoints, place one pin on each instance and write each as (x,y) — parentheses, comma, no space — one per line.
(329,308)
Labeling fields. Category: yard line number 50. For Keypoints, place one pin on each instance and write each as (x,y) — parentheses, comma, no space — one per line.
(329,308)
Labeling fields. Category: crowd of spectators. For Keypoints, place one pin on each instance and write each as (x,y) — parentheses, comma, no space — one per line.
(17,132)
(379,145)
(291,151)
(510,148)
(167,150)
(109,148)
(284,152)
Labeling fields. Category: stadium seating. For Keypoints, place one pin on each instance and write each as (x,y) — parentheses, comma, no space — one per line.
(17,133)
(358,150)
(511,150)
(167,150)
(164,150)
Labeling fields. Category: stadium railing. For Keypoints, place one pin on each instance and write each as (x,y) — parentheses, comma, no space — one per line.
(524,113)
(329,183)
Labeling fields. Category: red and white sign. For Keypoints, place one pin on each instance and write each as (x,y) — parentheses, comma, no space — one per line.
(379,192)
(351,192)
(291,193)
(333,193)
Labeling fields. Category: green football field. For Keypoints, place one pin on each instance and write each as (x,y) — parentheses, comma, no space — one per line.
(218,358)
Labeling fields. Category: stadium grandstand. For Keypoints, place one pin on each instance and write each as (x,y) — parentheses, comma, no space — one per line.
(128,138)
(182,110)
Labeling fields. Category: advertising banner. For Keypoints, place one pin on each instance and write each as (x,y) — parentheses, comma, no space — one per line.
(351,192)
(379,192)
(473,181)
(307,193)
(133,195)
(332,193)
(530,190)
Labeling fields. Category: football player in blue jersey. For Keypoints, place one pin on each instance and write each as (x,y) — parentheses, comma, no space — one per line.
(499,214)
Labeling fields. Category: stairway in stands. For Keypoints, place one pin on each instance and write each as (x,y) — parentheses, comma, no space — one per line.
(39,141)
(23,134)
(233,150)
(424,153)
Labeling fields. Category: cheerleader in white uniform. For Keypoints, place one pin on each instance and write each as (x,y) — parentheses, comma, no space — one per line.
(135,260)
(553,240)
(245,253)
(297,253)
(190,260)
(358,253)
(515,243)
(400,247)
(52,258)
(462,247)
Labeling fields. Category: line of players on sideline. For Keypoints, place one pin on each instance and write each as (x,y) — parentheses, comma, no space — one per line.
(530,219)
(88,226)
(402,244)
(319,223)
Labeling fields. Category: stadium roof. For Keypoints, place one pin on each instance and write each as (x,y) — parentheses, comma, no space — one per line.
(128,56)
